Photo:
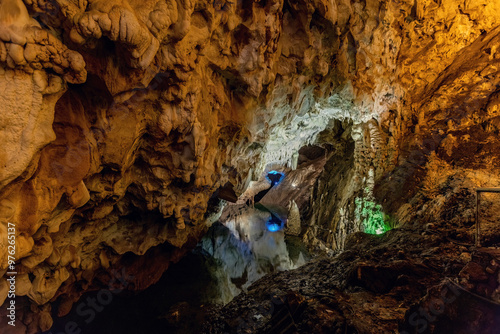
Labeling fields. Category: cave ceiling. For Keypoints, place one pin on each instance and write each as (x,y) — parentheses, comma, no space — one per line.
(120,119)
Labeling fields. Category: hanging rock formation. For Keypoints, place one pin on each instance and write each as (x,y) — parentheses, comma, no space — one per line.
(120,119)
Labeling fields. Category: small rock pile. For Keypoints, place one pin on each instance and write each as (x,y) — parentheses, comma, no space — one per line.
(482,276)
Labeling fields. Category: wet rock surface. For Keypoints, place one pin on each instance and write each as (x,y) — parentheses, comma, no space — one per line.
(120,119)
(402,281)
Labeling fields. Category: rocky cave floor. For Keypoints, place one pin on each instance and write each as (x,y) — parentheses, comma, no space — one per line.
(424,278)
(409,280)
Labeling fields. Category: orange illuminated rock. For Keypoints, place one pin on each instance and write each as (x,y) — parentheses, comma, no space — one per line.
(120,119)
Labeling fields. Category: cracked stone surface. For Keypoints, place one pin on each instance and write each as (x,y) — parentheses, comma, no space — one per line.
(120,119)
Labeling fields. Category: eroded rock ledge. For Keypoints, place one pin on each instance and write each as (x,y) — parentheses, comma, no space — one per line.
(119,119)
(404,282)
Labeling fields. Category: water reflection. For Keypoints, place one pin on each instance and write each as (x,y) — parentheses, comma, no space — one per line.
(249,243)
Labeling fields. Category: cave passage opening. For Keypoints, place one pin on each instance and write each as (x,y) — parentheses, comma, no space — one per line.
(275,177)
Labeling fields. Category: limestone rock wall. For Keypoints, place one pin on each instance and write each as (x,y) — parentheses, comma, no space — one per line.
(437,64)
(119,119)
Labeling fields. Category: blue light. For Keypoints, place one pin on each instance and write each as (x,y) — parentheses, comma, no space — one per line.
(275,177)
(273,227)
(274,224)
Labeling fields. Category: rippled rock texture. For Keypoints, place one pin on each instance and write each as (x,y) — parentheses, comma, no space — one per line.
(395,283)
(120,119)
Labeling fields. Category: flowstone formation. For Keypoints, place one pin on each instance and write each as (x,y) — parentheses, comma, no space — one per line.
(120,119)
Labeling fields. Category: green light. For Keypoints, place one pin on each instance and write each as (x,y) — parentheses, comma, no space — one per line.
(375,221)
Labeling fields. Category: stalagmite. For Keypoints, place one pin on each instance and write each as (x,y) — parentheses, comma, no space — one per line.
(293,226)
